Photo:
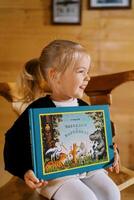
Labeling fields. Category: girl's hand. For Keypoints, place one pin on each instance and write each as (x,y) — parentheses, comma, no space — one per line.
(116,164)
(32,181)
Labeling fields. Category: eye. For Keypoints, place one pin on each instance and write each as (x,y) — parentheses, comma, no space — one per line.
(80,71)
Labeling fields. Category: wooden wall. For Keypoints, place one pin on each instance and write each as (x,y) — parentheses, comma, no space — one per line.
(25,28)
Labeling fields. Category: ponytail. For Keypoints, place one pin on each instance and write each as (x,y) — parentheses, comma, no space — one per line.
(29,81)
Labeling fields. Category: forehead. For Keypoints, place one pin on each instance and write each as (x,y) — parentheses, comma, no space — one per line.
(82,60)
(74,60)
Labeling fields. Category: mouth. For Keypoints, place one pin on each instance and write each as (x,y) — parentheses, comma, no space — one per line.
(82,87)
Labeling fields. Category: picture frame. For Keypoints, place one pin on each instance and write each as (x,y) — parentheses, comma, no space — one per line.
(109,4)
(70,140)
(66,12)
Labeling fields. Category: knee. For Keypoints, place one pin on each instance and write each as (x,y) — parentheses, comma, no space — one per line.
(112,193)
(116,194)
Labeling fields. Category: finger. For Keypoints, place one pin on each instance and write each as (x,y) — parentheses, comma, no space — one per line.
(110,169)
(41,184)
(31,176)
(44,183)
(33,185)
(38,185)
(30,184)
(116,161)
(117,168)
(115,146)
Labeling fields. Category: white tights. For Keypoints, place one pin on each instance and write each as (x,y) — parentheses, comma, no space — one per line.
(96,187)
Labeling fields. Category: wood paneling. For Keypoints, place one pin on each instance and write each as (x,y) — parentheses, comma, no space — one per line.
(25,28)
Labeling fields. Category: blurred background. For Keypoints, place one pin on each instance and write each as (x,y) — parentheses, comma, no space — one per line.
(108,34)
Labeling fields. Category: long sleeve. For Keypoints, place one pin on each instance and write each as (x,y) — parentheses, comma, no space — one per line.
(17,149)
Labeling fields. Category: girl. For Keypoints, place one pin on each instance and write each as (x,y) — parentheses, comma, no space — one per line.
(65,65)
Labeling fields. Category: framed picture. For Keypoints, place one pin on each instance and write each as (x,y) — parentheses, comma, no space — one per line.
(103,4)
(70,140)
(66,12)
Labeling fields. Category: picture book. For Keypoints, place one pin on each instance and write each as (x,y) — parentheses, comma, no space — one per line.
(70,140)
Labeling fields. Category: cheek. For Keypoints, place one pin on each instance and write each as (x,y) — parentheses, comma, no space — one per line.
(77,81)
(75,86)
(73,83)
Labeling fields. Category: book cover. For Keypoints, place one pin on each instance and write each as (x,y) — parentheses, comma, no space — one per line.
(70,140)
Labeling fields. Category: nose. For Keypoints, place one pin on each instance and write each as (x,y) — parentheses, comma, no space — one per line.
(87,77)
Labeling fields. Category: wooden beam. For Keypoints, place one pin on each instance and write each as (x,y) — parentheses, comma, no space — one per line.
(104,84)
(5,91)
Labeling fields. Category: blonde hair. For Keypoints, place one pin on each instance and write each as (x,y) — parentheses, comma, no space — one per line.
(58,54)
(30,81)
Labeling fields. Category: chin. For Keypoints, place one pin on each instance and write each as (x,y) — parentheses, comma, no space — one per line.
(80,95)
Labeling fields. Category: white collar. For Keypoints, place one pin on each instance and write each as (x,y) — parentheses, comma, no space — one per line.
(67,103)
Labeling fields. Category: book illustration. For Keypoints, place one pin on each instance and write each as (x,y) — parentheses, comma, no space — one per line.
(73,140)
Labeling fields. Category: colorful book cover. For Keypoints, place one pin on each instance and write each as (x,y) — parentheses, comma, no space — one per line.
(70,140)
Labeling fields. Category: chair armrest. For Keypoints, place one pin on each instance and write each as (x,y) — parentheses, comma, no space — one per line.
(5,91)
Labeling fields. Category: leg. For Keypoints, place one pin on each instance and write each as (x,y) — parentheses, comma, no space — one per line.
(74,190)
(103,186)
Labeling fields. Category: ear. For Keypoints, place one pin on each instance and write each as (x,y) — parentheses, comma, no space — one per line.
(53,74)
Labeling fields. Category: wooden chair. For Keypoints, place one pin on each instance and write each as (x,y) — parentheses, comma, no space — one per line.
(99,90)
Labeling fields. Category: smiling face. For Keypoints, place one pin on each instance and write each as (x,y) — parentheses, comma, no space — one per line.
(73,81)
